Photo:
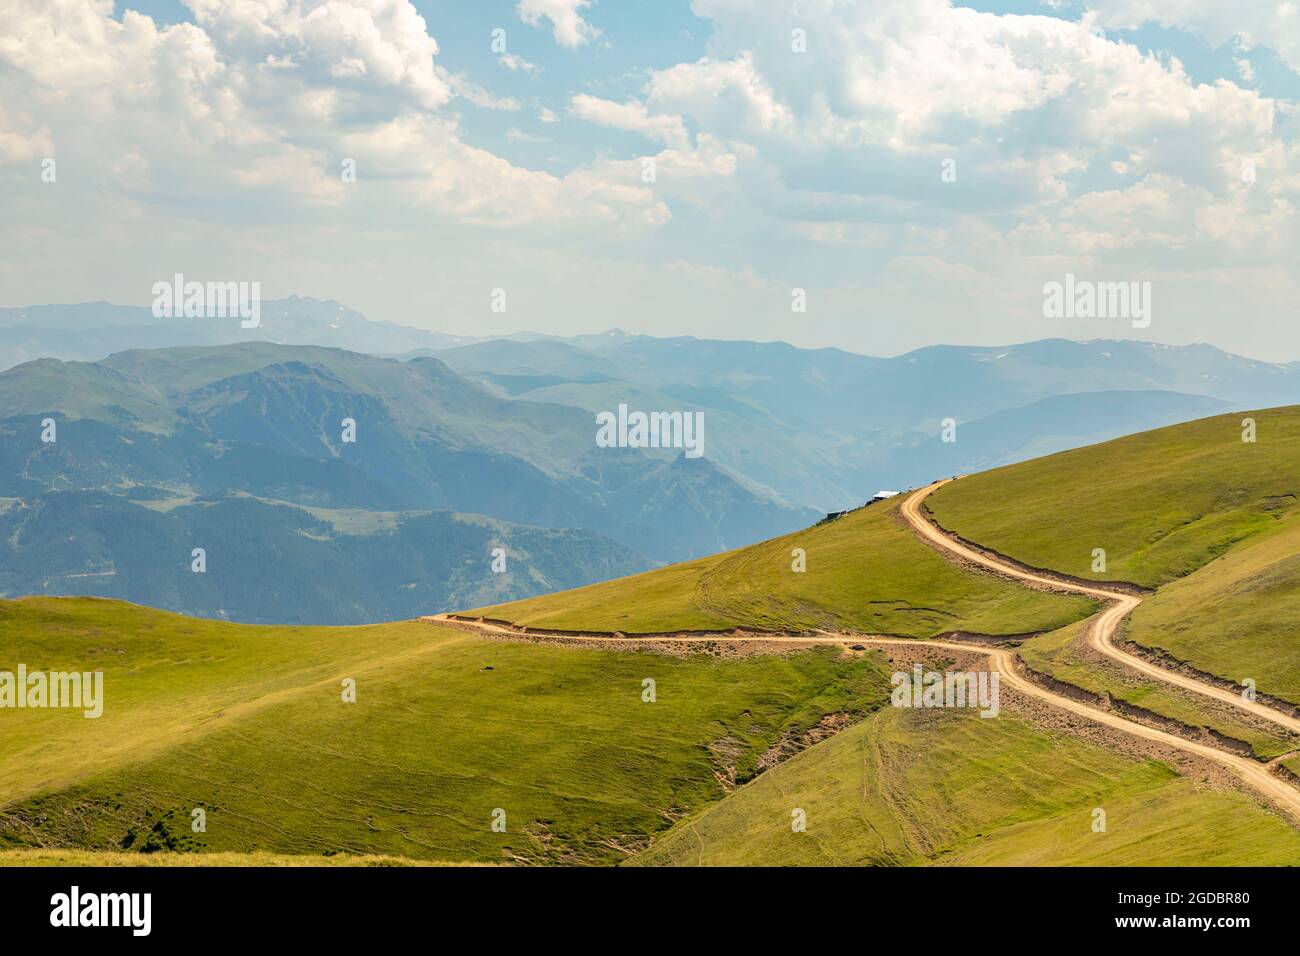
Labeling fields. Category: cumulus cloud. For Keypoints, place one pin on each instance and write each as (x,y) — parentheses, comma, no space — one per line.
(565,16)
(1070,150)
(1274,24)
(22,138)
(517,64)
(221,140)
(386,42)
(255,105)
(728,94)
(633,117)
(924,77)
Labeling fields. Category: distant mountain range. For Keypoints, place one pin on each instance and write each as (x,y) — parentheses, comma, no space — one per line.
(826,428)
(91,330)
(150,445)
(269,561)
(232,440)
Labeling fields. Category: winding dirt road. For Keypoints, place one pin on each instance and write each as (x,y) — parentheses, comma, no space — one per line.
(1252,773)
(1102,629)
(1101,632)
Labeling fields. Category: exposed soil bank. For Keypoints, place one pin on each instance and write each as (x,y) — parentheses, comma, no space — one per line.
(1169,662)
(1149,718)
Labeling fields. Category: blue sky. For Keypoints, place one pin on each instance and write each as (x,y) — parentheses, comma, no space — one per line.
(1108,139)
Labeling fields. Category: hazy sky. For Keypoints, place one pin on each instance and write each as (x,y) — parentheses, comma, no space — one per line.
(795,144)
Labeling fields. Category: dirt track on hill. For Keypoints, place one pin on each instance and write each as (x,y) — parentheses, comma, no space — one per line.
(1101,629)
(1101,632)
(1251,773)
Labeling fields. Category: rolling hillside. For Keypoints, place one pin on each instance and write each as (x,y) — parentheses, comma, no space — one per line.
(452,725)
(1192,509)
(449,729)
(864,572)
(909,787)
(1066,655)
(1161,503)
(1184,500)
(1238,617)
(249,724)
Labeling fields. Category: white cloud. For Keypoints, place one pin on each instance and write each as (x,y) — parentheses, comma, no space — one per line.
(480,97)
(252,109)
(22,138)
(385,41)
(841,146)
(567,25)
(218,144)
(923,75)
(1024,105)
(1267,23)
(633,117)
(517,64)
(515,134)
(722,94)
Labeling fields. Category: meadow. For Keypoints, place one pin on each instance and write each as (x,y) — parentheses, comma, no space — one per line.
(449,733)
(1161,504)
(1237,617)
(463,748)
(946,787)
(864,572)
(1208,519)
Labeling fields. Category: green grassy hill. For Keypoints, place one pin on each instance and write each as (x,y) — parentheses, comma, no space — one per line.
(167,858)
(249,724)
(167,678)
(1193,509)
(865,572)
(916,787)
(1239,616)
(1161,503)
